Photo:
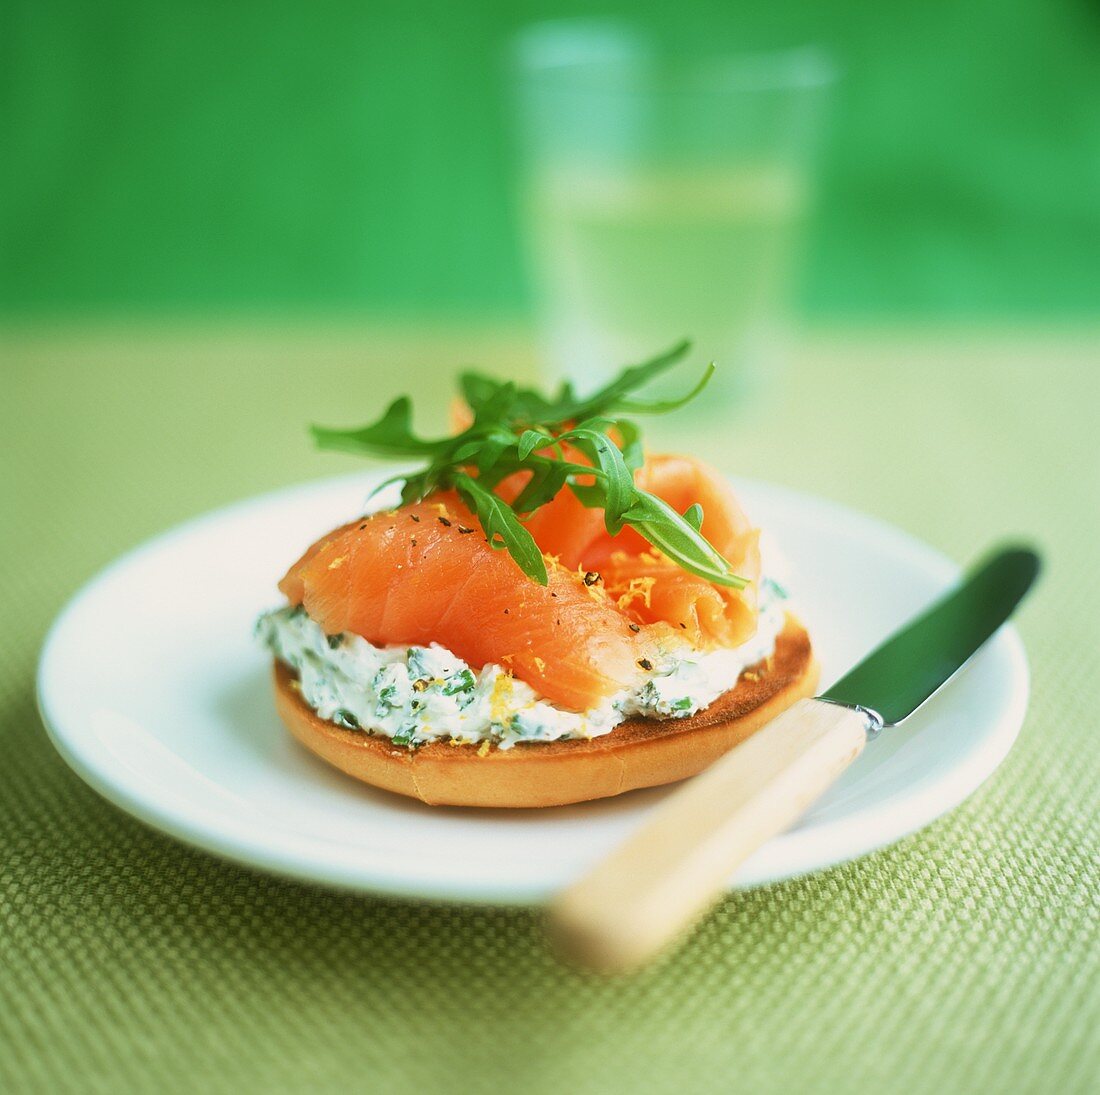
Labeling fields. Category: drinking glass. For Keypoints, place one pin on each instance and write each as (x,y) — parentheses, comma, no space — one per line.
(664,198)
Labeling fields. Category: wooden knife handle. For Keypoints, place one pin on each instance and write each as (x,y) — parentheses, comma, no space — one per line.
(679,863)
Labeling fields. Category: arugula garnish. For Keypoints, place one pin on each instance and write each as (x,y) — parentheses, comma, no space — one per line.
(519,429)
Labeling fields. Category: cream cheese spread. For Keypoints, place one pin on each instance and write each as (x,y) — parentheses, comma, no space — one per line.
(419,694)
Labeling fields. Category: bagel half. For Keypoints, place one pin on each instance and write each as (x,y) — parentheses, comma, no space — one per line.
(637,753)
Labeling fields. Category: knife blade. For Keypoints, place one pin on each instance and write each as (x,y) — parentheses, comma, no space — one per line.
(896,678)
(678,863)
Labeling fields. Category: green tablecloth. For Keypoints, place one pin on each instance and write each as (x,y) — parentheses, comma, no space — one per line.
(963,959)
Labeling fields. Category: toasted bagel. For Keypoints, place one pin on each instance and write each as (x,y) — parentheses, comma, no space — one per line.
(637,753)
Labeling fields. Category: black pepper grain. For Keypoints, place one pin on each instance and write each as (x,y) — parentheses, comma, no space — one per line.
(443,521)
(645,663)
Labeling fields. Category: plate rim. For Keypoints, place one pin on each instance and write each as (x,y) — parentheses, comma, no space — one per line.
(800,853)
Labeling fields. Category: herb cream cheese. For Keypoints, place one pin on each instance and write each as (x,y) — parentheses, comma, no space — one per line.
(420,694)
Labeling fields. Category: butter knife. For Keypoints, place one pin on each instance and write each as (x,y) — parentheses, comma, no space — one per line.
(677,865)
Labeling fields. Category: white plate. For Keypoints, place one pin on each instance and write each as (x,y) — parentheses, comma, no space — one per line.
(154,692)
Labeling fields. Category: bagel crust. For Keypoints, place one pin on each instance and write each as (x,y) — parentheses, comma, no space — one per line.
(637,753)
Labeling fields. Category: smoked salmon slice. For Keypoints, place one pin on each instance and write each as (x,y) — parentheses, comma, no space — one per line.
(708,615)
(424,573)
(649,586)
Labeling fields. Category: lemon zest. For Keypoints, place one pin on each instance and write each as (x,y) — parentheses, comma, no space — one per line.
(596,590)
(638,589)
(500,697)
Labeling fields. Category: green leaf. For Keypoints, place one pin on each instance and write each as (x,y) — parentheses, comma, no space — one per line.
(608,397)
(545,482)
(618,479)
(477,389)
(491,449)
(633,451)
(590,496)
(391,435)
(416,487)
(502,527)
(389,482)
(667,531)
(529,441)
(466,451)
(693,515)
(528,407)
(498,409)
(663,406)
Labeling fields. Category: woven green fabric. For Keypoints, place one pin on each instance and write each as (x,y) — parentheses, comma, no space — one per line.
(963,959)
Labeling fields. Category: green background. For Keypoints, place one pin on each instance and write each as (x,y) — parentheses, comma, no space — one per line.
(264,156)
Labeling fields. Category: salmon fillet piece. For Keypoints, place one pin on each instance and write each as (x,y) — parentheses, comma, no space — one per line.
(416,575)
